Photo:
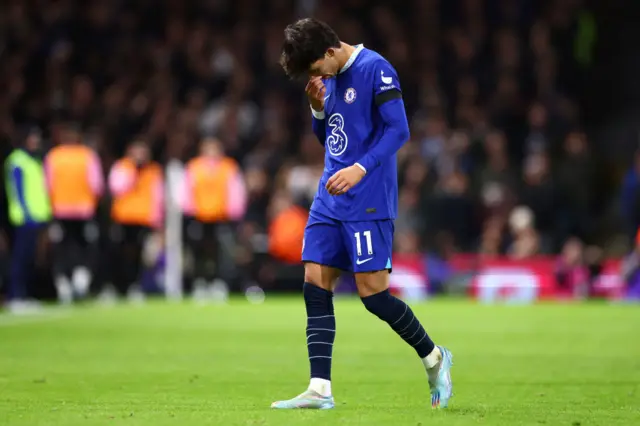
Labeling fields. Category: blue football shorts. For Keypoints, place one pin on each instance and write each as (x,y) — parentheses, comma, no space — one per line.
(350,246)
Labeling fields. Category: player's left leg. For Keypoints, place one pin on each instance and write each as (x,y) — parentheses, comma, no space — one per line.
(371,251)
(324,256)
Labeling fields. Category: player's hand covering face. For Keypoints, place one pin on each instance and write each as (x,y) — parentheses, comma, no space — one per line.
(345,179)
(315,91)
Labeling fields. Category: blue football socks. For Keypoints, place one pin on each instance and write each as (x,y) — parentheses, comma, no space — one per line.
(400,317)
(321,329)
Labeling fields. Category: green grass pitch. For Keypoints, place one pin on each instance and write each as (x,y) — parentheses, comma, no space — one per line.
(181,364)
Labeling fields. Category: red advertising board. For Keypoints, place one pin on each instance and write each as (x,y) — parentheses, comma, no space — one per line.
(514,281)
(409,277)
(501,279)
(522,281)
(609,283)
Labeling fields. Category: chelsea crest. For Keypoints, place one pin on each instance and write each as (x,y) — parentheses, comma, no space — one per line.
(350,95)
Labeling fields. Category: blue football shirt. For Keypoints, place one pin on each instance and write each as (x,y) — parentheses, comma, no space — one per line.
(353,126)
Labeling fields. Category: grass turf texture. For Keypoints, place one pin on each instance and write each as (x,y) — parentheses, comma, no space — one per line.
(178,364)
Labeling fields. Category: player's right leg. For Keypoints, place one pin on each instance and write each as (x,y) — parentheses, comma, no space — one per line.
(373,287)
(370,247)
(324,255)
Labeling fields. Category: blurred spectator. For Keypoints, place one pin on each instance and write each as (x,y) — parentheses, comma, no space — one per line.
(506,109)
(452,210)
(496,181)
(258,187)
(575,184)
(286,229)
(416,178)
(594,259)
(538,139)
(433,142)
(571,272)
(408,220)
(136,183)
(406,243)
(525,240)
(29,212)
(76,182)
(213,194)
(492,240)
(302,179)
(539,194)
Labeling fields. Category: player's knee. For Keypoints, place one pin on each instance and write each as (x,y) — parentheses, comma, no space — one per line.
(313,275)
(371,283)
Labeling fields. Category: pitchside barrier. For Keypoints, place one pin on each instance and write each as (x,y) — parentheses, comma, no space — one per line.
(499,279)
(503,279)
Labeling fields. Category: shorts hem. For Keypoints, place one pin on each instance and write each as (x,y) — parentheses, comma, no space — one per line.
(374,270)
(326,264)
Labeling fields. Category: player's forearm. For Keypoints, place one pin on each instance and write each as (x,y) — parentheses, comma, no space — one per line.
(396,133)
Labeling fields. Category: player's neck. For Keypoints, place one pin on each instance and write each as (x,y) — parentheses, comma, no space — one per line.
(346,50)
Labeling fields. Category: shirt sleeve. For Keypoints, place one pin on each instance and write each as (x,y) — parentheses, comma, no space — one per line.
(95,175)
(388,100)
(48,173)
(318,122)
(158,208)
(121,179)
(236,196)
(386,84)
(186,201)
(318,125)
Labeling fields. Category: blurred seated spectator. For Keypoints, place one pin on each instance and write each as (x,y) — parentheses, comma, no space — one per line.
(451,209)
(495,182)
(491,239)
(408,220)
(571,272)
(286,229)
(537,140)
(575,184)
(406,242)
(594,260)
(525,240)
(538,193)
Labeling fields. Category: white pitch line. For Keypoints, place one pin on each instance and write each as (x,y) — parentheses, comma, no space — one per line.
(8,320)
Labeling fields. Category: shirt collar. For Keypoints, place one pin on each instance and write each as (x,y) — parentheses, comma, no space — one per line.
(352,58)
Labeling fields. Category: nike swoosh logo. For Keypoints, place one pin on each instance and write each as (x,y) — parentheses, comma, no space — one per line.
(360,262)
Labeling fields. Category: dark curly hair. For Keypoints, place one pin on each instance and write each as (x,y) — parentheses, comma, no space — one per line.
(305,41)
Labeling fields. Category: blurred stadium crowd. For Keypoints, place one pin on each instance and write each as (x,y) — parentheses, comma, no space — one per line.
(498,161)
